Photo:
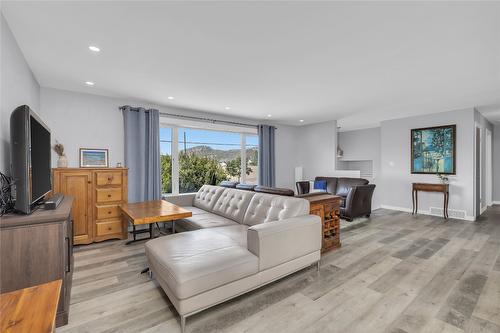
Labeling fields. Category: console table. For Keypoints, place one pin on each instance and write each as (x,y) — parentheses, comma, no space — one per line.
(431,187)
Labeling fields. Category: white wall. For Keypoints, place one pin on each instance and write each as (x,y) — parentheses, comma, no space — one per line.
(83,121)
(395,163)
(90,121)
(361,145)
(286,140)
(496,164)
(316,149)
(18,87)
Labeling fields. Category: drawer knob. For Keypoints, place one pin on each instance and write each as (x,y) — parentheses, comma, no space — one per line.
(110,179)
(109,228)
(109,212)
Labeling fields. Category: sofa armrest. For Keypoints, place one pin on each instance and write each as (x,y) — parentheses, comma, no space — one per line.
(185,199)
(281,241)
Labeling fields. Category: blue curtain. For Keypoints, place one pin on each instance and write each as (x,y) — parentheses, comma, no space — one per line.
(267,169)
(142,153)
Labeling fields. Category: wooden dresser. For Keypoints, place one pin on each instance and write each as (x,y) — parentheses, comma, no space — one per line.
(36,249)
(98,195)
(327,207)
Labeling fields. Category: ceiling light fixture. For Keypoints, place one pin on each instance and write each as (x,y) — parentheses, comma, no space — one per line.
(227,108)
(94,48)
(301,120)
(89,83)
(269,116)
(170,97)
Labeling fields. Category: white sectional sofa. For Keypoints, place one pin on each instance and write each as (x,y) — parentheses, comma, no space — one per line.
(237,241)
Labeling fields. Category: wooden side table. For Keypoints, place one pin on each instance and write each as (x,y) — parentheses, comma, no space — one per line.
(327,207)
(30,309)
(431,187)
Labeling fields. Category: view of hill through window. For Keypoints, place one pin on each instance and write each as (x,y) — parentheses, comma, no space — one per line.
(207,157)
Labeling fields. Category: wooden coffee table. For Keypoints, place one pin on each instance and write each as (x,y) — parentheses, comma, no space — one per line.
(152,212)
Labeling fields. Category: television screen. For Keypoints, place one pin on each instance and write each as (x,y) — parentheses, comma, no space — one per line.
(40,160)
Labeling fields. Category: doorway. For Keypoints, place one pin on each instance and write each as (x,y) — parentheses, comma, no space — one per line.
(489,168)
(478,172)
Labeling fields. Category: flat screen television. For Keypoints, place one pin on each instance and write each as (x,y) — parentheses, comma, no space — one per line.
(30,158)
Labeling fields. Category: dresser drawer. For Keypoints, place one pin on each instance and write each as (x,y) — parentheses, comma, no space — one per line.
(107,211)
(108,194)
(108,178)
(108,227)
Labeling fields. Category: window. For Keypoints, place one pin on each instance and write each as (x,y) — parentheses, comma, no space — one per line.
(192,157)
(252,158)
(166,159)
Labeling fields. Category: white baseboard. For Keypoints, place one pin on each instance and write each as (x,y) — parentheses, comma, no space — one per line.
(424,212)
(483,209)
(401,209)
(496,202)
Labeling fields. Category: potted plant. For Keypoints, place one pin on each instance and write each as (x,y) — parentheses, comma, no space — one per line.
(444,179)
(62,162)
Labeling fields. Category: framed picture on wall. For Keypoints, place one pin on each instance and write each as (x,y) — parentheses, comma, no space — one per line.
(93,158)
(433,150)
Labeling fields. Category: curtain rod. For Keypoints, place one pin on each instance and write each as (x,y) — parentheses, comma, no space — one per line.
(209,120)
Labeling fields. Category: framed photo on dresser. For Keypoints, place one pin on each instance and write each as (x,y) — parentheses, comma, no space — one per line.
(94,158)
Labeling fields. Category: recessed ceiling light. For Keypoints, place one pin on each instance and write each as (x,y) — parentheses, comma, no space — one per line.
(301,120)
(170,97)
(227,108)
(89,83)
(94,48)
(269,116)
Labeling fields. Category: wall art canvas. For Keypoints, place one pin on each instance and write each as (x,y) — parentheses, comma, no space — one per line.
(433,150)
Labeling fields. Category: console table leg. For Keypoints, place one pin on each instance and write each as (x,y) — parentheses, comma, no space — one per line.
(413,202)
(446,199)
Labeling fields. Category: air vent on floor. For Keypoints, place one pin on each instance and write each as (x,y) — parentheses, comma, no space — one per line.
(453,213)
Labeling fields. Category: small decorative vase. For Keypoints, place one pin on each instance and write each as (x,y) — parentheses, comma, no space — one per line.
(62,162)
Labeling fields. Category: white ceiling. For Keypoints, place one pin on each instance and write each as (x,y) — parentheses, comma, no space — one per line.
(362,62)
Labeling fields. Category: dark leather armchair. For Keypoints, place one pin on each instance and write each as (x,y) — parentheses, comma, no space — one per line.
(356,194)
(303,187)
(358,202)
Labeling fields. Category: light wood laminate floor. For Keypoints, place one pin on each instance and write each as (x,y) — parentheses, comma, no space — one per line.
(399,273)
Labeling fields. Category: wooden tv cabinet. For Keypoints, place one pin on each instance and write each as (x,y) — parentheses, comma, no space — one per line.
(36,249)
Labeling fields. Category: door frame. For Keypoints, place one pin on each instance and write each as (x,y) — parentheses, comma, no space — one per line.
(489,167)
(477,169)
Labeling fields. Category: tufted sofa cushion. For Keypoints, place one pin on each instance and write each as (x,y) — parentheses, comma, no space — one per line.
(207,196)
(267,208)
(202,221)
(233,204)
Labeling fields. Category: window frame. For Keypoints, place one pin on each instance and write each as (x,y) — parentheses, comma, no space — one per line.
(174,125)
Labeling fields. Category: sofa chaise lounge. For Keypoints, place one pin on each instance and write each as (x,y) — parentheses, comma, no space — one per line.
(237,241)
